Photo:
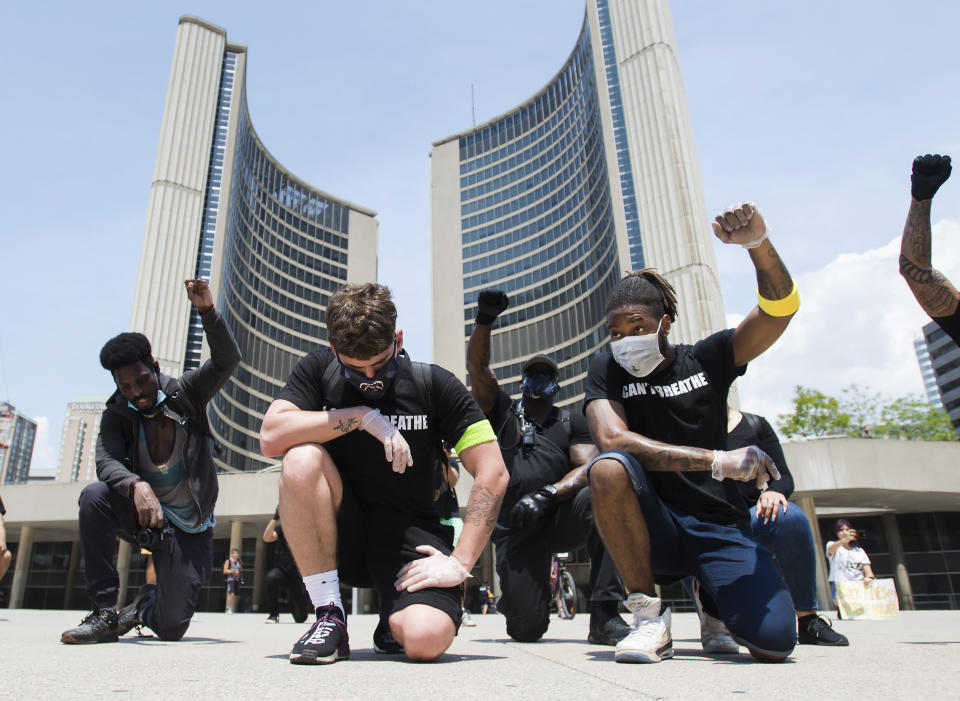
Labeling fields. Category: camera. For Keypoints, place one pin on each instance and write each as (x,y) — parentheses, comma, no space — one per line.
(152,538)
(529,435)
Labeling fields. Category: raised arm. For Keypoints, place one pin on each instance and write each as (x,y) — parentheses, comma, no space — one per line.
(270,532)
(483,381)
(776,290)
(206,381)
(936,295)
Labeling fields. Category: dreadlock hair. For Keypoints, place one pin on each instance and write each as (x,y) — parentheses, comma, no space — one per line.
(648,288)
(126,349)
(361,320)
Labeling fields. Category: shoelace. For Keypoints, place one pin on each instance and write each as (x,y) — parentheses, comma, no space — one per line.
(646,628)
(325,625)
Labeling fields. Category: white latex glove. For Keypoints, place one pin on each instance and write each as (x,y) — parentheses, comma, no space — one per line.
(743,465)
(395,446)
(435,570)
(741,223)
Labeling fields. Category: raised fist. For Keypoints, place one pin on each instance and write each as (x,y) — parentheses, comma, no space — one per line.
(740,224)
(929,173)
(490,303)
(199,294)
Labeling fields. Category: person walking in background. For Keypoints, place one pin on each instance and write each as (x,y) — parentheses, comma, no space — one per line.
(5,557)
(233,573)
(283,575)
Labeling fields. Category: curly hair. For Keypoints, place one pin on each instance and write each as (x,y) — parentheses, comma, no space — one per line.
(126,349)
(646,287)
(361,320)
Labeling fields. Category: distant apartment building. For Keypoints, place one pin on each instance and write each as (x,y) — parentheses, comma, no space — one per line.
(78,441)
(945,359)
(930,388)
(17,435)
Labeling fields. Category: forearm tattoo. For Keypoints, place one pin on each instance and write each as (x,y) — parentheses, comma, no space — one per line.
(931,288)
(483,506)
(346,425)
(774,282)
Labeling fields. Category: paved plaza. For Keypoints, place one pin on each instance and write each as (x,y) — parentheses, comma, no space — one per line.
(916,655)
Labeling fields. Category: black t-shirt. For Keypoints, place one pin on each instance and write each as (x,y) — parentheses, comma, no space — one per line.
(359,456)
(549,458)
(765,438)
(684,405)
(446,496)
(950,325)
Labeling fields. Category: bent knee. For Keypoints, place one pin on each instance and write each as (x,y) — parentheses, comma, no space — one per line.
(608,473)
(172,633)
(93,492)
(771,643)
(525,629)
(304,464)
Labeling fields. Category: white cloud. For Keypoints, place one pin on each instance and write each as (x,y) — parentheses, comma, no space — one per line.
(856,325)
(45,449)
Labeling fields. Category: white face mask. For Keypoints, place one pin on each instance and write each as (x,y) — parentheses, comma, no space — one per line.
(638,355)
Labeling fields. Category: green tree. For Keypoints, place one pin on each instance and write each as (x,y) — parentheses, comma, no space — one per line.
(913,418)
(814,414)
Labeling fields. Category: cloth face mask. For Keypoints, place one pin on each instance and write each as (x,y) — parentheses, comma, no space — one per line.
(638,355)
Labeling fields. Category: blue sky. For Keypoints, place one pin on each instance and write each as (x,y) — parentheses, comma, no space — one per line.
(812,110)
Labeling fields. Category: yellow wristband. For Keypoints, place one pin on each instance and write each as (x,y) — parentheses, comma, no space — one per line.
(780,307)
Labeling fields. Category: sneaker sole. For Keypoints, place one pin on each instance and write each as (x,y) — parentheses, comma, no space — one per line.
(311,658)
(387,651)
(817,641)
(67,639)
(721,649)
(641,657)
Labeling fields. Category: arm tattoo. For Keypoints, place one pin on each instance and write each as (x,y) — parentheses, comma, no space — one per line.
(346,425)
(915,273)
(483,506)
(775,282)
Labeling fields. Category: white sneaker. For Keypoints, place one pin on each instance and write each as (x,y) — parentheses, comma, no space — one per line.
(714,636)
(466,619)
(650,640)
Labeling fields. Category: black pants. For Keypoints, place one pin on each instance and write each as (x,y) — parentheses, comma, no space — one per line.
(523,563)
(280,578)
(183,563)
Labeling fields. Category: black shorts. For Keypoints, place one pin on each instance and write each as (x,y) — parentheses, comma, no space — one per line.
(232,586)
(372,546)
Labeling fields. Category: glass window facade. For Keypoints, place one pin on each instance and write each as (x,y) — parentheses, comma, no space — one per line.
(537,222)
(285,252)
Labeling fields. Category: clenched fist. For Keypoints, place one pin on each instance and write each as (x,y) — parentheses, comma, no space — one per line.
(490,303)
(929,173)
(741,224)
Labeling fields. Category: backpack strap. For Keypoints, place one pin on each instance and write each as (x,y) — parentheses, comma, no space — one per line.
(330,375)
(753,421)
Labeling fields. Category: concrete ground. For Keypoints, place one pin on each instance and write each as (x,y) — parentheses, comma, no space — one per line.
(915,655)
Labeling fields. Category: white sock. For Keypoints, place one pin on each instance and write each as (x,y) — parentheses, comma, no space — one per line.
(323,588)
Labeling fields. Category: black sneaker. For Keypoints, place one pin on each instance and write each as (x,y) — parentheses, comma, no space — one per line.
(607,630)
(326,641)
(383,640)
(99,626)
(817,630)
(274,619)
(129,617)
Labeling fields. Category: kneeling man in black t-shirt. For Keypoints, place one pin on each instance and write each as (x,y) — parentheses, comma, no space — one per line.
(663,494)
(359,427)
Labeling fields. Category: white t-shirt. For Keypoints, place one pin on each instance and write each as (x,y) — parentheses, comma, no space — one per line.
(846,565)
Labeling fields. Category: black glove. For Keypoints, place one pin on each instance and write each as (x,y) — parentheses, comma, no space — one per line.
(489,305)
(534,507)
(929,173)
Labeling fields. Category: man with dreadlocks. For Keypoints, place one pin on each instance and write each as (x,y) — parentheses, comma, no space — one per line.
(663,490)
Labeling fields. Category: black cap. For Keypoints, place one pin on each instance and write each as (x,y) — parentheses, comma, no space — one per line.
(541,360)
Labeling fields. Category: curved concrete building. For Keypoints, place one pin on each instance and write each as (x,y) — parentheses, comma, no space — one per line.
(224,209)
(552,201)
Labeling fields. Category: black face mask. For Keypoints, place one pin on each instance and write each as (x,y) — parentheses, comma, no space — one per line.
(371,387)
(539,386)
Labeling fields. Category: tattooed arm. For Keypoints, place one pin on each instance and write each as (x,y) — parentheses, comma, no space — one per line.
(933,291)
(758,331)
(490,476)
(286,425)
(608,427)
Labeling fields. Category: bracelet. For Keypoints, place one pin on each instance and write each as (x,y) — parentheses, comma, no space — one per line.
(780,307)
(715,465)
